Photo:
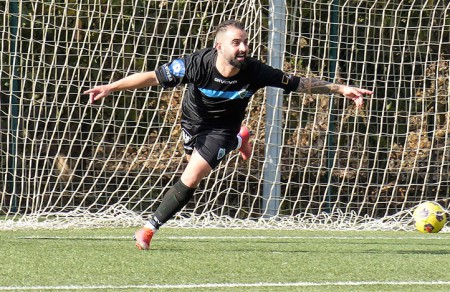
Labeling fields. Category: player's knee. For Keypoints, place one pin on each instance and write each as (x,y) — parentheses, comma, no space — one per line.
(195,172)
(191,181)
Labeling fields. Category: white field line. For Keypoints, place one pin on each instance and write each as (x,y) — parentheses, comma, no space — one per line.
(424,237)
(228,285)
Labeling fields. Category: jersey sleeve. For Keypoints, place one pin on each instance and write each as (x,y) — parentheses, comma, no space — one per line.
(172,74)
(188,69)
(269,76)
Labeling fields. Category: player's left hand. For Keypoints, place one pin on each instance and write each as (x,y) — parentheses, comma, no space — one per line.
(355,94)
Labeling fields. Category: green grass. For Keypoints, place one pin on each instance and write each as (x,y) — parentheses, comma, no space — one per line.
(106,259)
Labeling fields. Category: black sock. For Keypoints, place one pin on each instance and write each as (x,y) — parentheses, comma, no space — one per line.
(175,199)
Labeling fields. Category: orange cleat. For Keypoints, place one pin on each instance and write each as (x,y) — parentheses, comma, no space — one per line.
(143,237)
(246,146)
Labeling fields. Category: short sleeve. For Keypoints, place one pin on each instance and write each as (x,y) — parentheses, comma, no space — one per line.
(172,74)
(269,76)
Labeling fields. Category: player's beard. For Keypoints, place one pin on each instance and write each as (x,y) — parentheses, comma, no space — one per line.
(238,64)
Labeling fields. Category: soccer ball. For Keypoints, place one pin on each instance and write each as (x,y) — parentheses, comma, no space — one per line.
(429,217)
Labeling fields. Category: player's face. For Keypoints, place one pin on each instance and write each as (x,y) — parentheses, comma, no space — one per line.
(233,44)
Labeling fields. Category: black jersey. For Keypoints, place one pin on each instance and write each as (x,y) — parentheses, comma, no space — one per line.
(212,100)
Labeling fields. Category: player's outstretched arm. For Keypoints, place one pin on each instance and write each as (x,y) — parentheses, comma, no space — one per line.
(137,80)
(318,86)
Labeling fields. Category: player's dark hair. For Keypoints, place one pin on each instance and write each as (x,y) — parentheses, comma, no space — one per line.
(226,24)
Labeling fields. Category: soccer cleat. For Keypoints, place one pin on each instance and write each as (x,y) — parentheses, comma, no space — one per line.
(143,237)
(246,146)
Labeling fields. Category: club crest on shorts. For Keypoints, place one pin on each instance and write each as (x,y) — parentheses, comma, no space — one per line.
(186,136)
(221,153)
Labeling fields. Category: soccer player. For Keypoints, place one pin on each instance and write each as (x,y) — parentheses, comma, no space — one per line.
(221,81)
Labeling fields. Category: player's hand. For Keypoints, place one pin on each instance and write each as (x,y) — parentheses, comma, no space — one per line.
(355,94)
(98,92)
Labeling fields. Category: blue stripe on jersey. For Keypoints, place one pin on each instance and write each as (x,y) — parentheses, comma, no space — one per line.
(226,94)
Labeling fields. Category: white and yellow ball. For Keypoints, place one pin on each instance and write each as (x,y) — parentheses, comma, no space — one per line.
(429,217)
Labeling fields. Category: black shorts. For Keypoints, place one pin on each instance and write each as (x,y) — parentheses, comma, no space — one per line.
(212,144)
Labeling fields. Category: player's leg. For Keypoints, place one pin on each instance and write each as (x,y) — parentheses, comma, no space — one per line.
(182,191)
(175,199)
(210,148)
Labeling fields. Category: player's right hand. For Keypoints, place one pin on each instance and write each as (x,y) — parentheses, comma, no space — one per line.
(98,92)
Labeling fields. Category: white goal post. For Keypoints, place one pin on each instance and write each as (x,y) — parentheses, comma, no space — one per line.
(65,163)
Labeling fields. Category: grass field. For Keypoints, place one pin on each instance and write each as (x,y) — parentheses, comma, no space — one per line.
(224,260)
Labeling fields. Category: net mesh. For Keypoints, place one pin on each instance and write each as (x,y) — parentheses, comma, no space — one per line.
(65,163)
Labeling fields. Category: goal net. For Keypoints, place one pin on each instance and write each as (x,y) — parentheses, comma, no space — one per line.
(65,163)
